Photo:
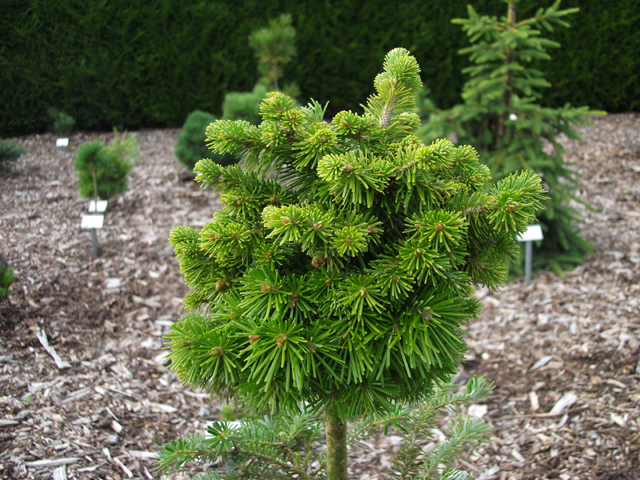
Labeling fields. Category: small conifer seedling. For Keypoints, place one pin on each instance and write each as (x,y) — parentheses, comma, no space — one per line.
(339,275)
(102,170)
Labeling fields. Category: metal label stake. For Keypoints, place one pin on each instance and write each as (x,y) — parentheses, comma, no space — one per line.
(93,222)
(533,233)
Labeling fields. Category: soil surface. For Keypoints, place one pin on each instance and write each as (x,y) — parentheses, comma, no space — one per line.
(562,352)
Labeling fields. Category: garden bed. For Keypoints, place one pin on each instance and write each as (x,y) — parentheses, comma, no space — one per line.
(110,410)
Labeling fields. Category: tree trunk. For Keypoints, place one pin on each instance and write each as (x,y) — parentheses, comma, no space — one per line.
(275,75)
(506,99)
(95,189)
(336,434)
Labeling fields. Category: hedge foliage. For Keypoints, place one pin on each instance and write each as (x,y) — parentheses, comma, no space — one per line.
(140,64)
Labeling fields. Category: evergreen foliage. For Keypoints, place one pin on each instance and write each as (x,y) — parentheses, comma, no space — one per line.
(500,117)
(340,271)
(109,63)
(61,123)
(191,145)
(9,152)
(286,446)
(102,170)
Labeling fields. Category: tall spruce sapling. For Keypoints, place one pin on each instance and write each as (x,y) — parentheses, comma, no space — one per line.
(192,147)
(340,272)
(499,116)
(102,170)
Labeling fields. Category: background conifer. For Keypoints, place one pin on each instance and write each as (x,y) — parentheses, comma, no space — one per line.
(500,117)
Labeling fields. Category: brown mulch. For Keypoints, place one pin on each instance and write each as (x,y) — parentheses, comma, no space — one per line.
(575,338)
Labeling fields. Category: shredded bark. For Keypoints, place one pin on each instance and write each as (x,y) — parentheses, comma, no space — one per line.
(563,352)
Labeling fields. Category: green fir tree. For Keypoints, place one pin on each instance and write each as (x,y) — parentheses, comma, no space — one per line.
(501,119)
(340,274)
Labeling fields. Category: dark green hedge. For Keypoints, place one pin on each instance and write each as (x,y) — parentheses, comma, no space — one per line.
(134,64)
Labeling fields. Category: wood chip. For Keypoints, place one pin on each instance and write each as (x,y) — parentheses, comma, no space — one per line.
(42,337)
(53,462)
(566,401)
(60,473)
(541,363)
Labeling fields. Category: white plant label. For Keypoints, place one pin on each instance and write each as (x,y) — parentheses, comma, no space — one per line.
(62,142)
(533,233)
(102,205)
(92,221)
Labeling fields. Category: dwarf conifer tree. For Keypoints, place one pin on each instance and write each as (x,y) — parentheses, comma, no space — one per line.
(102,170)
(339,275)
(500,118)
(274,47)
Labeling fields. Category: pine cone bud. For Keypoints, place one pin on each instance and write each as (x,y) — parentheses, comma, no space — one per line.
(265,288)
(418,252)
(221,286)
(512,207)
(235,235)
(216,352)
(328,282)
(281,340)
(318,262)
(348,241)
(438,227)
(254,338)
(284,220)
(318,226)
(348,168)
(372,230)
(274,200)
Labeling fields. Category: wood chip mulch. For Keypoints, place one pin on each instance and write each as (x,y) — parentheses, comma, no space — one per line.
(562,352)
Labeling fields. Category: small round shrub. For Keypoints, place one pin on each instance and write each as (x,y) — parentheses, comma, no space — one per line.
(103,167)
(244,105)
(191,146)
(9,152)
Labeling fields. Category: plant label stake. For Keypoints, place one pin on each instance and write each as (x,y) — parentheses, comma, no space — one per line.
(62,142)
(533,233)
(102,206)
(93,222)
